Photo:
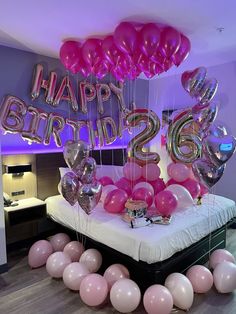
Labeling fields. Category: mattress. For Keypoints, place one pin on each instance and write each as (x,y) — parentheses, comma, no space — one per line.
(151,243)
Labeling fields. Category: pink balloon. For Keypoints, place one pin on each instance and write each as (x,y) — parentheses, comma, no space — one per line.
(145,185)
(92,51)
(143,194)
(92,259)
(93,289)
(114,273)
(125,37)
(183,51)
(73,274)
(201,278)
(106,181)
(171,181)
(69,54)
(151,172)
(39,253)
(125,295)
(105,190)
(193,187)
(124,184)
(59,241)
(219,256)
(74,249)
(115,201)
(169,167)
(225,277)
(166,202)
(110,51)
(149,37)
(180,172)
(158,185)
(183,196)
(181,290)
(56,263)
(203,190)
(101,69)
(157,299)
(170,41)
(132,171)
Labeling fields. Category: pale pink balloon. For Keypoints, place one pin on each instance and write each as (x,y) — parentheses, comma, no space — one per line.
(132,171)
(56,263)
(115,201)
(143,194)
(73,275)
(106,181)
(180,172)
(200,277)
(225,277)
(151,172)
(39,253)
(157,299)
(92,258)
(105,190)
(74,249)
(169,167)
(59,241)
(181,290)
(184,198)
(219,256)
(114,273)
(125,295)
(145,185)
(93,289)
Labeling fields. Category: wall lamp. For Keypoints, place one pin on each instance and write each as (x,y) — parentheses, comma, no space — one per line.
(17,170)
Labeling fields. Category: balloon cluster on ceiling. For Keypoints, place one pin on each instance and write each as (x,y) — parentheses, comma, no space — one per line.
(129,52)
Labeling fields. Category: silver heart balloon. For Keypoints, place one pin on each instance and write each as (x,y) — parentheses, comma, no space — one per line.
(87,170)
(74,153)
(208,91)
(89,195)
(193,81)
(206,172)
(69,187)
(217,130)
(204,115)
(219,149)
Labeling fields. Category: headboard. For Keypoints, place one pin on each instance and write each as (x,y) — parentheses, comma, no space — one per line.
(47,165)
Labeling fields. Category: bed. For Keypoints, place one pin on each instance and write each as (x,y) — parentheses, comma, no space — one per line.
(154,251)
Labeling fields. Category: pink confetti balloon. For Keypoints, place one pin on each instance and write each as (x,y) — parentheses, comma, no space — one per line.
(74,249)
(157,299)
(114,273)
(59,241)
(92,259)
(56,263)
(219,256)
(201,278)
(39,253)
(73,275)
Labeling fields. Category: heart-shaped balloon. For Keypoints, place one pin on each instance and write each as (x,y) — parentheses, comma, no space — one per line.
(87,170)
(208,91)
(206,172)
(89,195)
(217,130)
(219,149)
(74,153)
(204,115)
(193,81)
(69,187)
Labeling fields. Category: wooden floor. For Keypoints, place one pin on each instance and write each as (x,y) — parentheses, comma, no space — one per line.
(28,291)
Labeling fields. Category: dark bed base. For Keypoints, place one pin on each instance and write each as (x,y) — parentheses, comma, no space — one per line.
(147,274)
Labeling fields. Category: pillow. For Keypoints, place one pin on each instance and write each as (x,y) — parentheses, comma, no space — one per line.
(114,172)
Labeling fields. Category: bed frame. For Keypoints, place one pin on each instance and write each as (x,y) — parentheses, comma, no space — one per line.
(144,274)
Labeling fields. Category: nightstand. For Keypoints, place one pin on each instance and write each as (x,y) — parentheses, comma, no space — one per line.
(22,220)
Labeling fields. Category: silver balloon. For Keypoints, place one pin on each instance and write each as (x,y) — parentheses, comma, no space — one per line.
(219,149)
(193,81)
(74,152)
(206,172)
(89,195)
(69,187)
(208,91)
(217,130)
(87,170)
(204,115)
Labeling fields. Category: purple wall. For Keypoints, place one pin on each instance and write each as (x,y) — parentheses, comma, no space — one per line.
(15,79)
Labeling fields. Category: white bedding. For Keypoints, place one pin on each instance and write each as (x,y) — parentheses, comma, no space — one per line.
(151,243)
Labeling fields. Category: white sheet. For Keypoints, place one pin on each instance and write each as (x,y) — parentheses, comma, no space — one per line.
(151,243)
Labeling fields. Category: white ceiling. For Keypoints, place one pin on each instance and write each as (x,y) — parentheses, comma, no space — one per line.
(41,26)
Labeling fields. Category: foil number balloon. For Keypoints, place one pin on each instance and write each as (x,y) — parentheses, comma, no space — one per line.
(135,146)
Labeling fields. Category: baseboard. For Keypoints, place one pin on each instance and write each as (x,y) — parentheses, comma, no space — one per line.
(3,268)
